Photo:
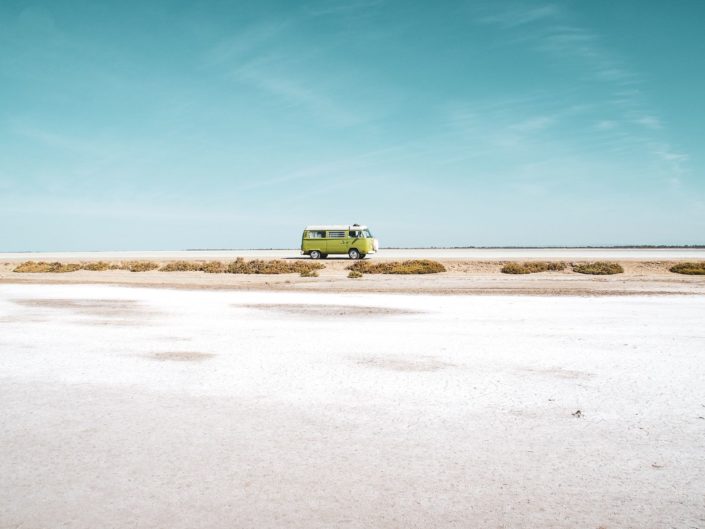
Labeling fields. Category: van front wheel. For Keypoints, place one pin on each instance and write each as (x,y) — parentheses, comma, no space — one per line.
(353,254)
(315,254)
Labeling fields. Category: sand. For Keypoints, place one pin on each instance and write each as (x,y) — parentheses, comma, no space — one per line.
(143,408)
(469,272)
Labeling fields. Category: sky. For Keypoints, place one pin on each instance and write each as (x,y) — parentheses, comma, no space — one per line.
(133,125)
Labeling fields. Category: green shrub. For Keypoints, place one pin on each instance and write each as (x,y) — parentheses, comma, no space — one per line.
(276,266)
(532,267)
(599,268)
(309,273)
(418,266)
(692,269)
(31,267)
(354,275)
(97,266)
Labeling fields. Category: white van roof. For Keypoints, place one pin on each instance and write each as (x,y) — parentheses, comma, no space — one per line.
(335,227)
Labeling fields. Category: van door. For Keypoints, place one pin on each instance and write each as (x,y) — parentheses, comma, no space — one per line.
(356,240)
(335,242)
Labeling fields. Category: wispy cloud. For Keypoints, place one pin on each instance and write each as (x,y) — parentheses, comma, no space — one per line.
(273,59)
(533,124)
(516,16)
(551,29)
(650,122)
(342,7)
(247,42)
(606,124)
(265,76)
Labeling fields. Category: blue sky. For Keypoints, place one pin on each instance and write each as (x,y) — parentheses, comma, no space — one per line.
(172,125)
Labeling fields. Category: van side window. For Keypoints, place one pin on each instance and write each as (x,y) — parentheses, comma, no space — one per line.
(316,235)
(336,234)
(355,234)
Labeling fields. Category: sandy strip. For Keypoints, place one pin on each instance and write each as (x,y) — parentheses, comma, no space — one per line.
(463,277)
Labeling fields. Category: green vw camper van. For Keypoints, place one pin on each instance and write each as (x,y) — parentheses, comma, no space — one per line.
(321,241)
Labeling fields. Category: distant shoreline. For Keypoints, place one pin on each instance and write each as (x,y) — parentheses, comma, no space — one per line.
(618,247)
(294,249)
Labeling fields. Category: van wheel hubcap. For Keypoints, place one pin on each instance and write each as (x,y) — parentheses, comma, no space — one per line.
(315,255)
(354,254)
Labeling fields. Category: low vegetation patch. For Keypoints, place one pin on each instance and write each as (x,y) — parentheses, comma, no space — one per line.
(691,269)
(598,268)
(532,267)
(138,266)
(97,266)
(210,267)
(214,267)
(277,266)
(418,266)
(32,267)
(239,266)
(354,274)
(182,266)
(515,268)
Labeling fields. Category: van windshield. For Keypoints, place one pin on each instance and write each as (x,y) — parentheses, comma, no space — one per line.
(367,234)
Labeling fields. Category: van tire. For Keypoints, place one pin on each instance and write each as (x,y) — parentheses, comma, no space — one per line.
(353,253)
(315,254)
(363,255)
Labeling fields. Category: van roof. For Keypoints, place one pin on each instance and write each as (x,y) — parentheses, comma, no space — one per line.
(335,227)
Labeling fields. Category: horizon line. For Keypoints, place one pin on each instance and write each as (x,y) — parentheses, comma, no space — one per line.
(548,247)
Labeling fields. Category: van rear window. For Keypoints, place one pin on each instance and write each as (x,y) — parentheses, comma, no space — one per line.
(316,235)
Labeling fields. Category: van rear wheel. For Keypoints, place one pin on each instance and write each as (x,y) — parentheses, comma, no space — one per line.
(353,253)
(315,254)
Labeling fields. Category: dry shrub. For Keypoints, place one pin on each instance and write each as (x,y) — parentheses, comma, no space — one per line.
(210,267)
(239,266)
(514,268)
(309,273)
(692,269)
(139,266)
(533,267)
(418,266)
(98,266)
(214,267)
(181,266)
(598,268)
(555,266)
(354,274)
(277,266)
(32,267)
